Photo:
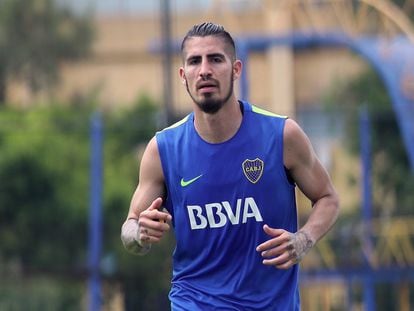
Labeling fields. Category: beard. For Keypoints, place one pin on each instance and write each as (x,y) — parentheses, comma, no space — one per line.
(209,104)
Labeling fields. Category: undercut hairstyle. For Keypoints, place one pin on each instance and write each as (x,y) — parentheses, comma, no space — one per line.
(211,29)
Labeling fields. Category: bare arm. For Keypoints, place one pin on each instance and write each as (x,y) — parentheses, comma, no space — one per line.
(313,180)
(145,223)
(285,249)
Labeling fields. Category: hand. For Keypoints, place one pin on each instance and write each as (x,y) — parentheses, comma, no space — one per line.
(152,224)
(284,249)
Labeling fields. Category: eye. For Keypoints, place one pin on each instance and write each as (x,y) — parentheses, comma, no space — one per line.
(193,61)
(217,59)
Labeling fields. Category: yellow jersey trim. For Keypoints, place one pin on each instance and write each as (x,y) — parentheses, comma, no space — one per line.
(176,124)
(265,112)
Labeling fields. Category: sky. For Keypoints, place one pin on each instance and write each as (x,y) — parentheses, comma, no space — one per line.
(132,6)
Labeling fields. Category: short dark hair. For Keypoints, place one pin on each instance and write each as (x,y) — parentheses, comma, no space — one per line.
(210,29)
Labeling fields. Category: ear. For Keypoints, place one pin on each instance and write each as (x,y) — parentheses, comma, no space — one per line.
(237,69)
(182,76)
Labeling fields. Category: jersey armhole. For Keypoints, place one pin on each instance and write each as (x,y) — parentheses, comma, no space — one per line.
(289,176)
(286,171)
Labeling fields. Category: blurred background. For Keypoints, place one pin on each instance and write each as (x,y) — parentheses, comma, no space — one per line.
(84,84)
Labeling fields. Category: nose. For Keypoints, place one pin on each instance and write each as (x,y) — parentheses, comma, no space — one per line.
(205,69)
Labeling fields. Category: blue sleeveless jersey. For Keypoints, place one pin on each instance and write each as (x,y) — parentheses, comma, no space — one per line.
(220,196)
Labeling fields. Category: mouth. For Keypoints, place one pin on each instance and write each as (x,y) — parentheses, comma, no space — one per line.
(207,87)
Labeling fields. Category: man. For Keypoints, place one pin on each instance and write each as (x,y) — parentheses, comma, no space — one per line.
(226,175)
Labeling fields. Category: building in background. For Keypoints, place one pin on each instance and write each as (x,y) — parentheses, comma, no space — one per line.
(123,65)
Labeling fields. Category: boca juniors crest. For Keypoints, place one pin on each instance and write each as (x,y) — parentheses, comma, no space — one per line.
(253,169)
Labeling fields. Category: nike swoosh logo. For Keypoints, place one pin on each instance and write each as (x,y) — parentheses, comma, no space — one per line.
(186,183)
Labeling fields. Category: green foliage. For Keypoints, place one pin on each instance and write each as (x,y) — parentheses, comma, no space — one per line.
(133,125)
(41,294)
(392,176)
(126,132)
(44,195)
(43,163)
(145,279)
(35,36)
(407,7)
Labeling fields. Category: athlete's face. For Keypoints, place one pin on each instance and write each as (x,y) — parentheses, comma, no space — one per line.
(208,72)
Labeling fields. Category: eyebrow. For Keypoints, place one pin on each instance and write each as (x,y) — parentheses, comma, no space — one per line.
(212,55)
(221,55)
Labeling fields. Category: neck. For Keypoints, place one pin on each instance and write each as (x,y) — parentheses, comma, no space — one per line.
(221,126)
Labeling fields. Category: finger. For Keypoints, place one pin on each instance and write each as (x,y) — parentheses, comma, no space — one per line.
(151,233)
(269,244)
(286,265)
(143,236)
(149,236)
(157,215)
(283,258)
(154,220)
(153,212)
(156,204)
(274,252)
(291,260)
(278,239)
(282,262)
(273,232)
(164,217)
(149,239)
(160,226)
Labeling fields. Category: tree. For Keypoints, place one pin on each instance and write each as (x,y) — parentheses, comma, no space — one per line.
(35,36)
(44,189)
(44,204)
(392,176)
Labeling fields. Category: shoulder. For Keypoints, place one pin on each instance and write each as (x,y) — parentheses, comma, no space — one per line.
(151,153)
(152,147)
(297,146)
(292,131)
(150,168)
(177,126)
(270,123)
(172,134)
(262,112)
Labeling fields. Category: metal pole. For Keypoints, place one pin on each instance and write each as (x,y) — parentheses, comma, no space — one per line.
(95,211)
(167,61)
(365,144)
(365,134)
(348,298)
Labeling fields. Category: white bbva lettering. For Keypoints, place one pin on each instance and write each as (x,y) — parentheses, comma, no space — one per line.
(215,217)
(193,222)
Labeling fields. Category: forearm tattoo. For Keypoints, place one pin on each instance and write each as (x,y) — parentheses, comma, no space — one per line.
(301,243)
(130,238)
